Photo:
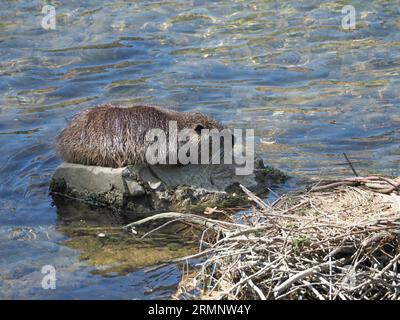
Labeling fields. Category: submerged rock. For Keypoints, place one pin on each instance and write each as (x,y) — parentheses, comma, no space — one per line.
(96,233)
(150,189)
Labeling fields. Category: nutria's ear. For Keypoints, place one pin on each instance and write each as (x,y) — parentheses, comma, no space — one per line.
(197,128)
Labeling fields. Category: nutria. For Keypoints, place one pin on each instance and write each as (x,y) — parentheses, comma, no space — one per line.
(112,136)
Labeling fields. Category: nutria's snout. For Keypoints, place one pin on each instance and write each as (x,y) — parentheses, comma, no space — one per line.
(112,136)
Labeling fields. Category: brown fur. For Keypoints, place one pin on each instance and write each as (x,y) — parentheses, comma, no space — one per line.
(111,136)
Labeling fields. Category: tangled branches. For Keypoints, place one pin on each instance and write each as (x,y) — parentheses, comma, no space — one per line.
(338,240)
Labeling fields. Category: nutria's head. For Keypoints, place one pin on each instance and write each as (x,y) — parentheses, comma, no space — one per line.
(203,131)
(195,121)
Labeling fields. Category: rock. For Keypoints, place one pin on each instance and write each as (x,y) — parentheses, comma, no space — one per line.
(150,189)
(97,184)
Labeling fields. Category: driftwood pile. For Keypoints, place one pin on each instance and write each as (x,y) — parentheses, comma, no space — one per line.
(337,240)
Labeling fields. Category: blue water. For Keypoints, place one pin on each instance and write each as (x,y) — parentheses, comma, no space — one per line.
(287,69)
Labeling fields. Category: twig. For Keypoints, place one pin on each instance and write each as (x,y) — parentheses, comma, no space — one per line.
(350,164)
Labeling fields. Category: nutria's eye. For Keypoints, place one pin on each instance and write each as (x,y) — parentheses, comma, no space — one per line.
(198,128)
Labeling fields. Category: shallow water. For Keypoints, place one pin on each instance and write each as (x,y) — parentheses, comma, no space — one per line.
(288,70)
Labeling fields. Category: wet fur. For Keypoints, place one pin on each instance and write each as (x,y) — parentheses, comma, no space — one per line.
(111,136)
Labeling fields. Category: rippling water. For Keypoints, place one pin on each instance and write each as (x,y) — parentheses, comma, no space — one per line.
(287,69)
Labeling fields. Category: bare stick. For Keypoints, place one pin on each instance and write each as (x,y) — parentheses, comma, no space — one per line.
(350,164)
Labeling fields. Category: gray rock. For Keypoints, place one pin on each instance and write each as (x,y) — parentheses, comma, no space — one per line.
(147,189)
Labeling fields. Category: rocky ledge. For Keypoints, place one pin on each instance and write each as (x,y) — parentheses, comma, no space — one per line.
(151,189)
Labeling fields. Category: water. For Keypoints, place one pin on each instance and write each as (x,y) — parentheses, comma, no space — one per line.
(288,70)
